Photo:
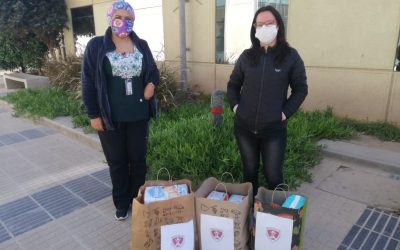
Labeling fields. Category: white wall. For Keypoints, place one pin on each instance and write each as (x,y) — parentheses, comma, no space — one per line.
(149,24)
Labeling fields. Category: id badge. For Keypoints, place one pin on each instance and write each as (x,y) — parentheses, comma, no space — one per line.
(128,87)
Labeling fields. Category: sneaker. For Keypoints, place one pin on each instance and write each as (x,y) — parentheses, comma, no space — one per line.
(121,214)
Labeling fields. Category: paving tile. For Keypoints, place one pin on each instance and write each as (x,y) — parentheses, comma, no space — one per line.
(390,226)
(16,208)
(45,237)
(351,235)
(58,201)
(381,243)
(375,229)
(47,131)
(104,176)
(88,188)
(27,221)
(359,240)
(11,138)
(4,235)
(372,219)
(393,245)
(369,243)
(10,244)
(363,218)
(396,234)
(32,133)
(381,223)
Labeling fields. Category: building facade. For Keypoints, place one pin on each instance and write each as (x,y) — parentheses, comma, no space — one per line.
(349,47)
(87,18)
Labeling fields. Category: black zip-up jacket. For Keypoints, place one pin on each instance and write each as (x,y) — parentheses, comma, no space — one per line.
(94,85)
(261,91)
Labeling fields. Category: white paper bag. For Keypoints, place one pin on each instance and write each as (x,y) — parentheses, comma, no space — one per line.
(178,236)
(273,232)
(216,232)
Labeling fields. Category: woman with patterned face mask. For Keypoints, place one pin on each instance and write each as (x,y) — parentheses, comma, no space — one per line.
(257,93)
(119,76)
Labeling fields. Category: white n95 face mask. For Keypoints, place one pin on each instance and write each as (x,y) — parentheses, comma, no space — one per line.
(266,33)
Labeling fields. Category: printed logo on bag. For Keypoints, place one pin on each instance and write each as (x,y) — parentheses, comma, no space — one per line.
(177,241)
(217,234)
(273,233)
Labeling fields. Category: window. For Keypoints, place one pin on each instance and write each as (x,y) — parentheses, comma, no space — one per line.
(280,5)
(233,20)
(149,25)
(219,31)
(82,27)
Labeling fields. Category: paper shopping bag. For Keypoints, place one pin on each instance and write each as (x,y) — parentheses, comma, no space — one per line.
(147,219)
(238,211)
(273,232)
(178,236)
(270,201)
(216,232)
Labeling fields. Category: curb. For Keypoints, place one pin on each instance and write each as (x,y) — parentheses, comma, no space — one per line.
(76,134)
(383,159)
(71,132)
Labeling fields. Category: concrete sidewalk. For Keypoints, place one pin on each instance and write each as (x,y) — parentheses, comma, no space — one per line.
(55,192)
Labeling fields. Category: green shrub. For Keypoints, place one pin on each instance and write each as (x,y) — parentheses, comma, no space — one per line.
(184,141)
(48,102)
(383,130)
(167,88)
(64,74)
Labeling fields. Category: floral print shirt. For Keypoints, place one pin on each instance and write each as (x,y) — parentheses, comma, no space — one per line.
(126,65)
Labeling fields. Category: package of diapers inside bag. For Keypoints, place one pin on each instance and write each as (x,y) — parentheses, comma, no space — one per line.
(161,193)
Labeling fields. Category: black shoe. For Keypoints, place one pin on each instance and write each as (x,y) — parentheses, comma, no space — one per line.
(121,214)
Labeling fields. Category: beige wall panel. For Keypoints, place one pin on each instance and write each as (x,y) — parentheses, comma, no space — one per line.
(78,3)
(353,93)
(394,107)
(103,1)
(222,77)
(202,76)
(171,29)
(351,34)
(100,17)
(200,31)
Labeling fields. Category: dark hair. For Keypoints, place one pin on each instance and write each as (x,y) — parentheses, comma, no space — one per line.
(281,48)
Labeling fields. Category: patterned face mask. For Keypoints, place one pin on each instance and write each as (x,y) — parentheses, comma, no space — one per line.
(121,28)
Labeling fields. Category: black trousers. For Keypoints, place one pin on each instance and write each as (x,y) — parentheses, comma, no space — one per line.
(271,145)
(125,150)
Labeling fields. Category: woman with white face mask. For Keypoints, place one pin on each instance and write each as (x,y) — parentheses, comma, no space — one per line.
(257,93)
(119,76)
